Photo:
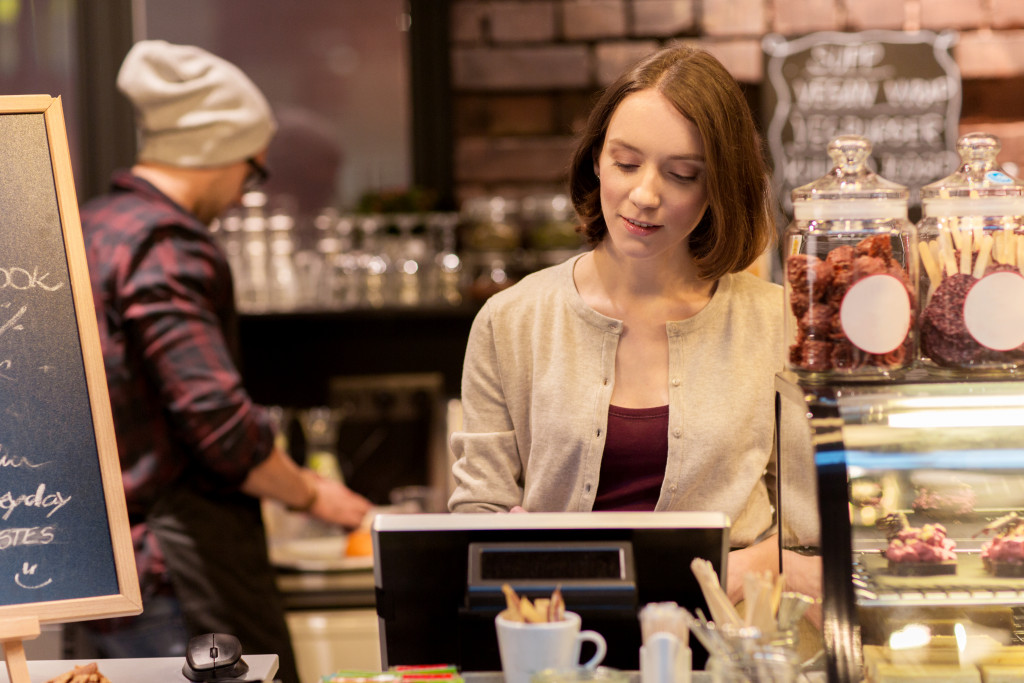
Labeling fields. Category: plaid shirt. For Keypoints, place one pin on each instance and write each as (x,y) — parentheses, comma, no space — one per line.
(165,305)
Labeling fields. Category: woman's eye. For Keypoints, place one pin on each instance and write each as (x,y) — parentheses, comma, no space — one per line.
(624,166)
(684,178)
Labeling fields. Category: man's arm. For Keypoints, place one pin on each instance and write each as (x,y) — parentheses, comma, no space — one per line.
(281,479)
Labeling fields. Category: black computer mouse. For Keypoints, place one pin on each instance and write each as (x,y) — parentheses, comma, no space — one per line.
(214,657)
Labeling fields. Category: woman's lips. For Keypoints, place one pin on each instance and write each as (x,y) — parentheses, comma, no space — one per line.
(639,227)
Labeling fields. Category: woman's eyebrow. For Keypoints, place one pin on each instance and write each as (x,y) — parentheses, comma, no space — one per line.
(682,157)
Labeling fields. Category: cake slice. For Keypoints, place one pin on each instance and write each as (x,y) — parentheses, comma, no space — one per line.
(918,551)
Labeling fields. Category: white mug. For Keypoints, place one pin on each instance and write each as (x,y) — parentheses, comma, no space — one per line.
(527,648)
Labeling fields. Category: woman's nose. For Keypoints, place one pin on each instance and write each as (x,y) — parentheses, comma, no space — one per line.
(647,191)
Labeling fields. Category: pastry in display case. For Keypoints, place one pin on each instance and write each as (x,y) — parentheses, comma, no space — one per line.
(928,586)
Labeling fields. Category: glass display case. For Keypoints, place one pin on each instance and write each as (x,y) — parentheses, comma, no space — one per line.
(921,500)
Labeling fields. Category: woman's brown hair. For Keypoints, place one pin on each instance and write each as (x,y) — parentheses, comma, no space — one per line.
(739,222)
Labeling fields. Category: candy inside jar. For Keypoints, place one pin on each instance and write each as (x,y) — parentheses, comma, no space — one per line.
(850,286)
(972,264)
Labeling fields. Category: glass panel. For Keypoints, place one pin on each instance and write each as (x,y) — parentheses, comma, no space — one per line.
(937,416)
(936,495)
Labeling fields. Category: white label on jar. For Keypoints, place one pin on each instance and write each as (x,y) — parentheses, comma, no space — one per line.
(875,313)
(994,311)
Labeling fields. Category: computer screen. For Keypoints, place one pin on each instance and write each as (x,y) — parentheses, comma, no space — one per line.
(438,577)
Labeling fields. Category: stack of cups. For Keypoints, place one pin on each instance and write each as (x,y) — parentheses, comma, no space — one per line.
(665,655)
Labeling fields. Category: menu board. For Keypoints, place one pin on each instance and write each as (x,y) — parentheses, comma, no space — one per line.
(900,90)
(65,546)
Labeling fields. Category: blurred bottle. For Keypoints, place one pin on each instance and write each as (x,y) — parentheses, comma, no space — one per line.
(320,428)
(549,223)
(493,241)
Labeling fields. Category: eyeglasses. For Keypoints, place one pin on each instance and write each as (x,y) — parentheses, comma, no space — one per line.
(258,174)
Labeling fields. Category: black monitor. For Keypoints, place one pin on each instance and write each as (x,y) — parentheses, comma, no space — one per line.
(438,577)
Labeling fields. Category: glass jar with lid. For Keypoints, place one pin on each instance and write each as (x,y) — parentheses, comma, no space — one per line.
(850,279)
(972,265)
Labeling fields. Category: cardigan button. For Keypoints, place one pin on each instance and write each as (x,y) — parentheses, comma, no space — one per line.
(677,432)
(675,381)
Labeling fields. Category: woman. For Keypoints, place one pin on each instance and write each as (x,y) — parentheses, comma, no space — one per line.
(640,375)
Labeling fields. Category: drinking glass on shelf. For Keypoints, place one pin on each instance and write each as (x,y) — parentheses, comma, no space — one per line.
(409,261)
(253,287)
(374,264)
(282,277)
(447,273)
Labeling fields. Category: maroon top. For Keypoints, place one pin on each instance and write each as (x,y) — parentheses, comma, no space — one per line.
(635,455)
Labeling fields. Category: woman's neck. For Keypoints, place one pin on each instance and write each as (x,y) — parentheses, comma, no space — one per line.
(619,284)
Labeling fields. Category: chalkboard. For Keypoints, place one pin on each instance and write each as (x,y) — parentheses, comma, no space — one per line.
(65,545)
(901,90)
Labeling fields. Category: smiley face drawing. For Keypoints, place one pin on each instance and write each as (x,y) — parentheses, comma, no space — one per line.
(30,570)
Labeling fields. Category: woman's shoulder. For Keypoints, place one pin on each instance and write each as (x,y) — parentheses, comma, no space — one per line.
(756,299)
(752,285)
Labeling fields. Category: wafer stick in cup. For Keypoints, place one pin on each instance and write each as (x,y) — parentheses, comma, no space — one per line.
(1020,253)
(933,247)
(946,250)
(722,610)
(930,266)
(541,610)
(966,251)
(954,232)
(981,264)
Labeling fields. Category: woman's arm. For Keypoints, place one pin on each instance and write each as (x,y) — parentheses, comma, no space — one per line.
(759,557)
(487,469)
(802,572)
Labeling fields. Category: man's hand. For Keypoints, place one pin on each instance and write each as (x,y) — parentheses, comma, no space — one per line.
(338,504)
(299,488)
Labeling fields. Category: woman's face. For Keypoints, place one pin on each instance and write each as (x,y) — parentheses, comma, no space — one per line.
(653,185)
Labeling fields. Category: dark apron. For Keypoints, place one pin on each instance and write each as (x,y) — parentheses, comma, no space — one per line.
(215,550)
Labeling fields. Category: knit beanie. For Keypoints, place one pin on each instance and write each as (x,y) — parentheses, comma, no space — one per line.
(192,108)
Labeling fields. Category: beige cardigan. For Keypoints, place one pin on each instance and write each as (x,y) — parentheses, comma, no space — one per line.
(537,382)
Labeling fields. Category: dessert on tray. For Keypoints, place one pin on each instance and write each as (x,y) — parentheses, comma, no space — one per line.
(1004,554)
(918,551)
(949,502)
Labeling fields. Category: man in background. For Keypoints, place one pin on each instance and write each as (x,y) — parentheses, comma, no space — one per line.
(197,454)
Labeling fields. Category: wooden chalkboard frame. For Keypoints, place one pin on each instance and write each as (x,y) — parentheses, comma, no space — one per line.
(127,601)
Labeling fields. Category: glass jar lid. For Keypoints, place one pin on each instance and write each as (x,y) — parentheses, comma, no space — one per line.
(851,190)
(978,187)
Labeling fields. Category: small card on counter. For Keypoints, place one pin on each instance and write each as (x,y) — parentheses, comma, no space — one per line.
(439,673)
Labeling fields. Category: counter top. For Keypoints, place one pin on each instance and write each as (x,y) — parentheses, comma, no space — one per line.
(151,670)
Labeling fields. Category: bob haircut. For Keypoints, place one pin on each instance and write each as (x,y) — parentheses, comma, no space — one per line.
(739,223)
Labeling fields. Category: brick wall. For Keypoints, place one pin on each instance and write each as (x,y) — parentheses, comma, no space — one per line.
(524,72)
